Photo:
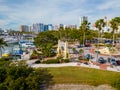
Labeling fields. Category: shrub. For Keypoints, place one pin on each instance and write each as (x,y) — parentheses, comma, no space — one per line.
(109,45)
(66,60)
(37,62)
(52,54)
(80,57)
(22,77)
(50,61)
(33,56)
(5,58)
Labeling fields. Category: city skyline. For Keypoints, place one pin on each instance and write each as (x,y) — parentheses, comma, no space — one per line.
(18,12)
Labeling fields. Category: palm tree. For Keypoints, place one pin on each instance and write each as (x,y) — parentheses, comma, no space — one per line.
(74,50)
(114,23)
(84,26)
(2,44)
(99,24)
(80,51)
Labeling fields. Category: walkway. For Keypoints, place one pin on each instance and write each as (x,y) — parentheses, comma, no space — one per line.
(92,65)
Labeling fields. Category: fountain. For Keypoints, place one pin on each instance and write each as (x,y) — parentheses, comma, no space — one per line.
(108,51)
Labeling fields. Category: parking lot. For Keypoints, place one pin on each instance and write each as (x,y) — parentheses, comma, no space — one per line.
(98,58)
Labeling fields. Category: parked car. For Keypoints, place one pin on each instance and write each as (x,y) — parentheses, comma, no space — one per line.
(118,62)
(88,56)
(79,46)
(113,61)
(101,60)
(86,63)
(87,45)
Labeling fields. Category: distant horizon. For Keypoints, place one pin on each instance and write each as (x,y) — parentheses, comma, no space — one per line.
(26,12)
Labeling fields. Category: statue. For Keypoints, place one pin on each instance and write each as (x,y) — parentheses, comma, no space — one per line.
(59,51)
(66,51)
(63,52)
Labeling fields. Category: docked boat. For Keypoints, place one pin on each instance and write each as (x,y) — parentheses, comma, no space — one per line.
(26,44)
(6,53)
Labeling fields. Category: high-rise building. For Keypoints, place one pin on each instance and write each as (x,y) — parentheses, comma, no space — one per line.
(41,27)
(57,27)
(45,27)
(50,27)
(24,28)
(34,28)
(1,30)
(71,26)
(30,29)
(37,27)
(82,19)
(61,25)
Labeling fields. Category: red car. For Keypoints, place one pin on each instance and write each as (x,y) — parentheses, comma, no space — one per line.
(118,62)
(87,45)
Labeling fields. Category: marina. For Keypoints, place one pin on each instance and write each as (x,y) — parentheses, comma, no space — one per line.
(16,45)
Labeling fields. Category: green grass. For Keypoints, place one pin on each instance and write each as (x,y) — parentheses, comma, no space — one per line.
(80,75)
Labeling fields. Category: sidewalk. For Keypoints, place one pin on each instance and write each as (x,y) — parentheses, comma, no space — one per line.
(101,67)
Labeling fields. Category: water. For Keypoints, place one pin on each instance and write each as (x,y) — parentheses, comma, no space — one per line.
(9,48)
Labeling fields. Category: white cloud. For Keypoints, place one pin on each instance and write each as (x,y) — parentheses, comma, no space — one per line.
(54,11)
(109,4)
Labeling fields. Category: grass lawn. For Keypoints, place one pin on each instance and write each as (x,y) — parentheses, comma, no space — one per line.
(80,75)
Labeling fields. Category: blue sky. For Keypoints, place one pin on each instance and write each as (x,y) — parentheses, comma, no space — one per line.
(18,12)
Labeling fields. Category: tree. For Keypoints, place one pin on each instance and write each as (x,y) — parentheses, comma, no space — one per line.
(18,76)
(39,80)
(107,35)
(67,32)
(45,41)
(81,51)
(2,44)
(99,24)
(84,26)
(114,23)
(74,50)
(2,74)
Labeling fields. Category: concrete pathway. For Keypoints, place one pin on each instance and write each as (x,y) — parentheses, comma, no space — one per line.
(91,65)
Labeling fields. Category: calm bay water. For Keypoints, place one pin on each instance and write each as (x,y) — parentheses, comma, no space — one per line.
(10,47)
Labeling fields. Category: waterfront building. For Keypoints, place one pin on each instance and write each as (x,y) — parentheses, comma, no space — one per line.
(45,27)
(30,29)
(37,27)
(1,31)
(34,28)
(50,27)
(24,28)
(41,27)
(57,27)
